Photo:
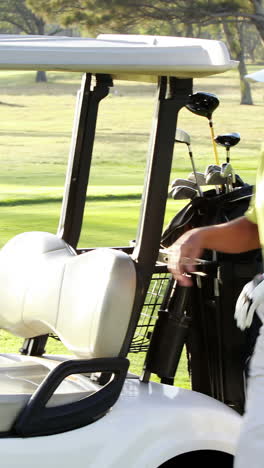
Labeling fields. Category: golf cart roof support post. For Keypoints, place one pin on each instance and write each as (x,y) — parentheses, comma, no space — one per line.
(172,96)
(79,164)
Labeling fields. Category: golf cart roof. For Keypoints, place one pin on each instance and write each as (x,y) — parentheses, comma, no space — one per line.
(256,76)
(130,57)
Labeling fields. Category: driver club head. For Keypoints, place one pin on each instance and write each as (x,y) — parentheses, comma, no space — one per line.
(228,139)
(203,104)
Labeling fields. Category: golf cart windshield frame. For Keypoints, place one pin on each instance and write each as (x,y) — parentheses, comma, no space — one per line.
(172,95)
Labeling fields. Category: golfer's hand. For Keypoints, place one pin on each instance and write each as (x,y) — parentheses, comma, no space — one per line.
(183,256)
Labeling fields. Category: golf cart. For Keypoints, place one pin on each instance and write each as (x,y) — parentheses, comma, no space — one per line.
(87,409)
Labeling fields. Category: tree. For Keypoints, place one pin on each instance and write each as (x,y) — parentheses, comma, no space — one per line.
(17,17)
(129,15)
(235,38)
(254,49)
(121,13)
(258,18)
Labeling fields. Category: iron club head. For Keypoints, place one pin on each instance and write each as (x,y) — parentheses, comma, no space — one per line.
(185,182)
(211,168)
(215,178)
(182,137)
(182,192)
(199,176)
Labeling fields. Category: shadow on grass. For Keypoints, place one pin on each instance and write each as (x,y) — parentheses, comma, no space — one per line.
(41,201)
(100,136)
(9,104)
(59,89)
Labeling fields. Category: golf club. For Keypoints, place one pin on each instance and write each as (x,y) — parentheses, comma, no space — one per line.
(211,168)
(204,104)
(213,177)
(183,192)
(227,172)
(183,137)
(199,176)
(185,182)
(228,140)
(189,183)
(182,182)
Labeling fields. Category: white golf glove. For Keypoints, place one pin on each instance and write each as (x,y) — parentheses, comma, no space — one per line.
(250,300)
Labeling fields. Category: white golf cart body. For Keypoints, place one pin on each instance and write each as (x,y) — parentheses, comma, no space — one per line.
(92,300)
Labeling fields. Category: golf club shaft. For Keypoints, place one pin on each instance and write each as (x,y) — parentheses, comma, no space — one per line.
(213,141)
(194,170)
(219,377)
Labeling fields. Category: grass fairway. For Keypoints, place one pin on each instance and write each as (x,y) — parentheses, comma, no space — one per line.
(35,138)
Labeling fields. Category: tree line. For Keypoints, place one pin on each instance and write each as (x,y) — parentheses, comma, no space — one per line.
(240,23)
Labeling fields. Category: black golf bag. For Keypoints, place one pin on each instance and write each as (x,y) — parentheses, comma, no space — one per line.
(218,352)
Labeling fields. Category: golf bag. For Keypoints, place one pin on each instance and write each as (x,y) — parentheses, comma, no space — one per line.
(218,352)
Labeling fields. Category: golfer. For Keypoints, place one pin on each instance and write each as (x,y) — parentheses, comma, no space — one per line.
(240,235)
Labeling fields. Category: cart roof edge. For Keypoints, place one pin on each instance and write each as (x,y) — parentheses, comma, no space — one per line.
(129,57)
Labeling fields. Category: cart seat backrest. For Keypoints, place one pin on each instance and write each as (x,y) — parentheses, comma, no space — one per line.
(87,299)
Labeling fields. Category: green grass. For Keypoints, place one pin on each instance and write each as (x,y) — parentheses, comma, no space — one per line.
(35,136)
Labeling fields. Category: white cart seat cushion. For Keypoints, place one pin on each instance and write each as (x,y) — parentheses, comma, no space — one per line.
(85,299)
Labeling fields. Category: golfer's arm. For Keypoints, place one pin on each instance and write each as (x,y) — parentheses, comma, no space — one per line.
(235,236)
